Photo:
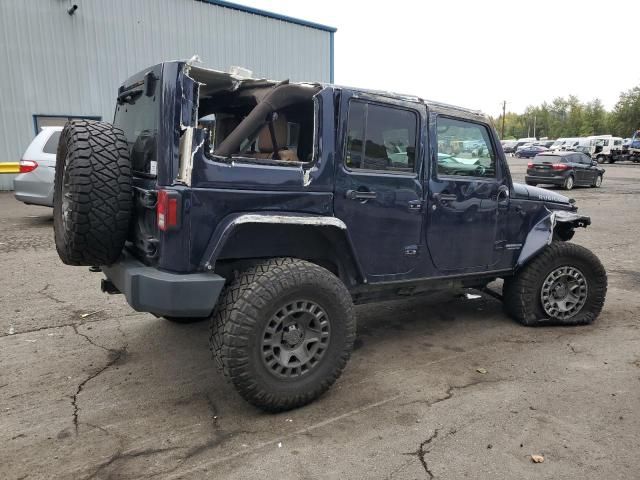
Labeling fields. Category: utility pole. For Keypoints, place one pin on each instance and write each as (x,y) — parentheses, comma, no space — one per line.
(504,110)
(534,126)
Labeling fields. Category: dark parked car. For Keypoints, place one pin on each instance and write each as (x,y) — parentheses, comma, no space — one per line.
(567,169)
(509,146)
(299,201)
(530,151)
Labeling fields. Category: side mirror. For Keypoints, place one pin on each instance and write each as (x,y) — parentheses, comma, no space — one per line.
(594,163)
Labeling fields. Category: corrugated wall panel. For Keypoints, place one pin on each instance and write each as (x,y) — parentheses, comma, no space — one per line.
(54,63)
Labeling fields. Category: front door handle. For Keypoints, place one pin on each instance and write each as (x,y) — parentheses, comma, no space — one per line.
(445,197)
(360,195)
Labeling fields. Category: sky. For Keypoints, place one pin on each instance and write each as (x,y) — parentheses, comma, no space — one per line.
(477,54)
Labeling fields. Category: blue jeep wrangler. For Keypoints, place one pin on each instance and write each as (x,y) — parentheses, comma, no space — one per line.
(271,208)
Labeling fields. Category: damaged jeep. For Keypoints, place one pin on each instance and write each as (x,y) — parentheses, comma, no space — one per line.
(272,208)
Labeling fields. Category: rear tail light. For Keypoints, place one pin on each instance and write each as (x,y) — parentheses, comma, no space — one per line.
(530,164)
(168,210)
(559,166)
(27,166)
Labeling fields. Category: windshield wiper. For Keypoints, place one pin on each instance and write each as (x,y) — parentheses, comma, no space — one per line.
(130,96)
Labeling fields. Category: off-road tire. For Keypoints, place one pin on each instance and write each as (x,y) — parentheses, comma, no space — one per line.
(248,304)
(92,166)
(521,293)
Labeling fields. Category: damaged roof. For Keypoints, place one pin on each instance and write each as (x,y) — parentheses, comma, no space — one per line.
(219,80)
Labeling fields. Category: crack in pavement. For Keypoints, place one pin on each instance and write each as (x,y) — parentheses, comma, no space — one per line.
(43,291)
(115,354)
(51,327)
(421,452)
(219,437)
(120,455)
(88,339)
(450,391)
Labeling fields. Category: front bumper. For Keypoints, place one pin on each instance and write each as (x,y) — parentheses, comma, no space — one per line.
(161,293)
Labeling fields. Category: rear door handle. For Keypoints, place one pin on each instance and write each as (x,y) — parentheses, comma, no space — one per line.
(360,195)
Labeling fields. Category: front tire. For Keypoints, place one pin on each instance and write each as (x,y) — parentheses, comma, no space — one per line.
(597,183)
(564,285)
(283,332)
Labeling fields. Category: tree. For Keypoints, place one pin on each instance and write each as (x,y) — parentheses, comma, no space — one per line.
(594,121)
(625,118)
(568,117)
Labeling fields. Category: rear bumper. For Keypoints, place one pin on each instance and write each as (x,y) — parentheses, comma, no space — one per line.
(148,289)
(35,188)
(555,180)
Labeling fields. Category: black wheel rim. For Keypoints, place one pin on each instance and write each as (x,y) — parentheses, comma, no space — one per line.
(564,292)
(295,339)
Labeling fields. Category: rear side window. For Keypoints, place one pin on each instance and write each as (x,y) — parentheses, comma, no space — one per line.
(52,144)
(381,138)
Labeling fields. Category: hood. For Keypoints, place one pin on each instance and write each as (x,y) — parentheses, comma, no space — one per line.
(527,192)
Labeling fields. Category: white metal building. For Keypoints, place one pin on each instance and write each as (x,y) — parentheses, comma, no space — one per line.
(66,58)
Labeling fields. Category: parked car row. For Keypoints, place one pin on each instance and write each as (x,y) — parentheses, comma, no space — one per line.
(602,148)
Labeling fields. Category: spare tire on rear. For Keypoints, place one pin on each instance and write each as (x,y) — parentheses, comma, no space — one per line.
(92,198)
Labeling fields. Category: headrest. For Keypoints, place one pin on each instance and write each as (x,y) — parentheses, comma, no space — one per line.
(280,127)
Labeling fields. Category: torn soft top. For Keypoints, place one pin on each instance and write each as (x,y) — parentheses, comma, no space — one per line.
(281,96)
(215,81)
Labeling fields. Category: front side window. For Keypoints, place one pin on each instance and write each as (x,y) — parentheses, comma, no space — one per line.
(464,149)
(381,138)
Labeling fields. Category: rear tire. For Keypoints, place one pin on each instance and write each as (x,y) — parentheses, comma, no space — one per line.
(568,182)
(534,296)
(92,198)
(283,332)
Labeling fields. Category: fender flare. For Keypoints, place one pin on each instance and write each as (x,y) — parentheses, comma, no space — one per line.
(542,232)
(231,223)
